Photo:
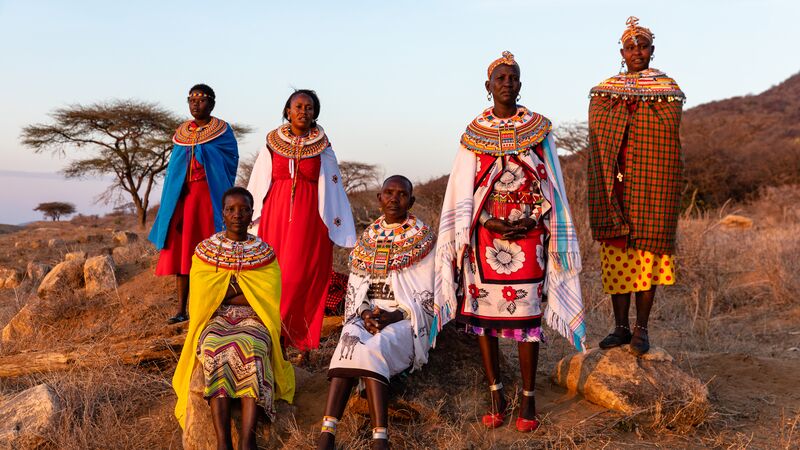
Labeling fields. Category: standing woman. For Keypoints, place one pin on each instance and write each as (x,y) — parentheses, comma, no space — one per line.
(301,210)
(635,181)
(506,240)
(202,167)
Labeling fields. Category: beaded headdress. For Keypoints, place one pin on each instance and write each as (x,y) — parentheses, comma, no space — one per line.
(634,31)
(200,94)
(507,59)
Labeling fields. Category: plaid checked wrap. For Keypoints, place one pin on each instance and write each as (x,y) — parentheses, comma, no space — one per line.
(653,171)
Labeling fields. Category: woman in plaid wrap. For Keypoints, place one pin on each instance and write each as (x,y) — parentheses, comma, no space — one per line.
(635,181)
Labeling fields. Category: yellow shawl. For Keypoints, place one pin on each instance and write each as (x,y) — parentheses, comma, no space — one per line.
(262,288)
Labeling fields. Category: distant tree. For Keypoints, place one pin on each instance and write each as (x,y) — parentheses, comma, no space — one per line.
(358,176)
(128,139)
(573,138)
(54,210)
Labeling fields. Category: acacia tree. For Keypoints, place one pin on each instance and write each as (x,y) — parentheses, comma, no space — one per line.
(357,176)
(573,138)
(54,210)
(128,139)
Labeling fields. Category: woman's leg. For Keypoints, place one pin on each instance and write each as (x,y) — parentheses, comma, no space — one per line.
(378,398)
(182,284)
(247,438)
(490,355)
(221,415)
(338,394)
(644,303)
(528,362)
(621,304)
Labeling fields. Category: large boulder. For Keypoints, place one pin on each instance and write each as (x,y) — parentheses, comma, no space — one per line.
(198,431)
(98,274)
(27,418)
(619,380)
(79,255)
(65,277)
(25,322)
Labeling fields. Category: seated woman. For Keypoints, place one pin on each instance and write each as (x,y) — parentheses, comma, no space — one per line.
(388,310)
(234,325)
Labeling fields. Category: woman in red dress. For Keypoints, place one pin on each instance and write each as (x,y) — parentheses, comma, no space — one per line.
(301,211)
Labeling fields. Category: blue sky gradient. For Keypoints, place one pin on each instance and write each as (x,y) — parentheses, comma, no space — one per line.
(398,81)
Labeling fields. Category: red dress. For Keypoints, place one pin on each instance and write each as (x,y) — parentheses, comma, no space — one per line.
(302,246)
(191,223)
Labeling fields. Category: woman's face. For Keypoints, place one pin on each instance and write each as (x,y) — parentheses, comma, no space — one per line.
(637,55)
(237,213)
(200,107)
(504,84)
(395,199)
(301,112)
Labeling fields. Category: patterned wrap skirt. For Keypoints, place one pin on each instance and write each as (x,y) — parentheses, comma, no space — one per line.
(235,350)
(628,270)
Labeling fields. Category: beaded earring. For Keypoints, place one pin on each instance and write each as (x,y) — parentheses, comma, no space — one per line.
(622,68)
(489,96)
(652,57)
(519,97)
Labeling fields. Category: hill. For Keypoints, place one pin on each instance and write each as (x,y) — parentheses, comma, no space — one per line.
(735,147)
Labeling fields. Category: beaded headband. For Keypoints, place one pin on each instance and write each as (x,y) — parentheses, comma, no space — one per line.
(200,94)
(507,59)
(634,32)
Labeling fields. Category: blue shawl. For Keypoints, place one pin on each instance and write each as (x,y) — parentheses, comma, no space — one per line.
(220,159)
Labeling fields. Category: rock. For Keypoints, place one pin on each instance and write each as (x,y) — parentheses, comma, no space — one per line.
(79,255)
(735,221)
(36,243)
(124,237)
(27,418)
(332,325)
(65,276)
(9,278)
(98,275)
(55,242)
(198,432)
(89,238)
(36,271)
(618,380)
(124,255)
(21,325)
(19,244)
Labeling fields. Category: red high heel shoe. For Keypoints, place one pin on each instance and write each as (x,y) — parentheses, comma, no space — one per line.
(494,420)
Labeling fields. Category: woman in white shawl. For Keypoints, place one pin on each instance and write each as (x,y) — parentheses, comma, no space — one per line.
(506,240)
(388,310)
(301,210)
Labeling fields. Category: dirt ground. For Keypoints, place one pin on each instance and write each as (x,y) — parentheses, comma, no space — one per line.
(733,322)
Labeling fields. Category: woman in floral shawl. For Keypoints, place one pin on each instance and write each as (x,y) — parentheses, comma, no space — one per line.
(506,240)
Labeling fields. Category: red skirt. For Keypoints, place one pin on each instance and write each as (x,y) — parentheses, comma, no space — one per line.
(191,222)
(305,256)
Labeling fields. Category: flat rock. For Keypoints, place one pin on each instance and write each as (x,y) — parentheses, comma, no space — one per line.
(617,379)
(736,222)
(66,276)
(27,418)
(98,275)
(55,242)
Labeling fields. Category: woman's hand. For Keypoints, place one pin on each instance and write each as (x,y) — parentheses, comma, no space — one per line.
(509,231)
(377,319)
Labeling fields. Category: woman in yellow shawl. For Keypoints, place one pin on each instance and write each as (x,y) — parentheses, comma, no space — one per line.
(234,326)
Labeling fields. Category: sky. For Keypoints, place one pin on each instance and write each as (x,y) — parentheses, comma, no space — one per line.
(398,81)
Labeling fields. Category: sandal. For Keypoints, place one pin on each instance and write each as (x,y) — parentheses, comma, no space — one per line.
(496,419)
(615,340)
(177,318)
(640,343)
(527,425)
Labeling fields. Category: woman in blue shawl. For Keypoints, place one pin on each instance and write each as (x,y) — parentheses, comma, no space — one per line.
(202,167)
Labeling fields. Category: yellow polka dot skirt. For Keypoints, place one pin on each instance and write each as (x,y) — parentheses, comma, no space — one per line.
(631,270)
